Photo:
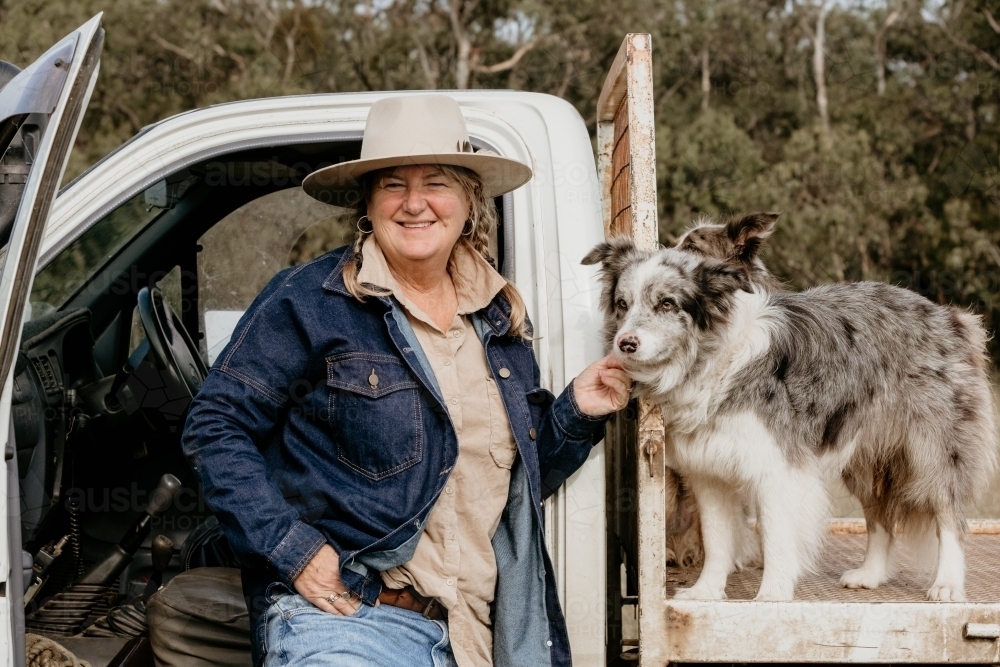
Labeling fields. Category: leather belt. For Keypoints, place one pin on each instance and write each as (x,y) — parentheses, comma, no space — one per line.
(408,598)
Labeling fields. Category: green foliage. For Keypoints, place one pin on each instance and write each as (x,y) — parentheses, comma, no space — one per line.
(899,182)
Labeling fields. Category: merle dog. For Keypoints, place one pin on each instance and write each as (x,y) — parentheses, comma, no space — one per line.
(768,394)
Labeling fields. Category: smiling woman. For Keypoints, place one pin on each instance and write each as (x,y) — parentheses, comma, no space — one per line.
(396,383)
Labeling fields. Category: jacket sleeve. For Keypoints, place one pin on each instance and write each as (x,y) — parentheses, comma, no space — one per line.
(565,437)
(238,410)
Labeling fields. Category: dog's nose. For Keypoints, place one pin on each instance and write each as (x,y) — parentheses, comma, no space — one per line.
(628,344)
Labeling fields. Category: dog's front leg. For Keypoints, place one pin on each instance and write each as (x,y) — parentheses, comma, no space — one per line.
(792,506)
(720,513)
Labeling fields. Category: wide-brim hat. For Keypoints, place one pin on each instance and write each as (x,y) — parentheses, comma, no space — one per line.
(412,130)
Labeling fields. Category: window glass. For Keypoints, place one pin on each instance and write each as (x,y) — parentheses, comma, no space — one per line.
(244,250)
(78,262)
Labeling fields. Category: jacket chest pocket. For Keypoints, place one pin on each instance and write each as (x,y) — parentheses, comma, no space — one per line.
(375,414)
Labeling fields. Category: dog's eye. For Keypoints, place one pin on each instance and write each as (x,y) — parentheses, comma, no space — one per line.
(621,305)
(667,304)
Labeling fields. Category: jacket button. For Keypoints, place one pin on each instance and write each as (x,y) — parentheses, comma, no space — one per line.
(532,433)
(504,373)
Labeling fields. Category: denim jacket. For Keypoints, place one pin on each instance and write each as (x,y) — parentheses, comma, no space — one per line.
(296,446)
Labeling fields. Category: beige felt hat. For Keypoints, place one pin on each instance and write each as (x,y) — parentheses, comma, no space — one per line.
(409,130)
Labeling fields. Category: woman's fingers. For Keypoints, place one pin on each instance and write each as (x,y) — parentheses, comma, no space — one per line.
(341,606)
(346,606)
(616,380)
(324,604)
(617,376)
(602,387)
(611,361)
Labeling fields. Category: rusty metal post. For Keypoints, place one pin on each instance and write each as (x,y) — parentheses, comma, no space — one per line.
(627,172)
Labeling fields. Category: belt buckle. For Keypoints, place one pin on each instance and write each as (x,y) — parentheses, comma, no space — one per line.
(429,609)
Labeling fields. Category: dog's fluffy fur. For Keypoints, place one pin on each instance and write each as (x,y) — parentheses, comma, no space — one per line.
(768,394)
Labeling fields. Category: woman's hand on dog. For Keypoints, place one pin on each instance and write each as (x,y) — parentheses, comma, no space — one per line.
(603,387)
(320,579)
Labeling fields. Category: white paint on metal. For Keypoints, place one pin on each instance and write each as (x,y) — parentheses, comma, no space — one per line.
(886,632)
(981,631)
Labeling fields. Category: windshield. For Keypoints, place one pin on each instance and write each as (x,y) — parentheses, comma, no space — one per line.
(73,267)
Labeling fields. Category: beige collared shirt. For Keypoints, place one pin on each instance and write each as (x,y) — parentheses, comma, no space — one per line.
(454,559)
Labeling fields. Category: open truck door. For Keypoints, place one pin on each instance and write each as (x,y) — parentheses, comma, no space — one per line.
(825,623)
(40,110)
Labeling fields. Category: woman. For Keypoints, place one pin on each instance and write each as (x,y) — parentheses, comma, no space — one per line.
(374,440)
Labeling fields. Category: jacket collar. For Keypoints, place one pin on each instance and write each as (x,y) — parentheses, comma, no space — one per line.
(496,313)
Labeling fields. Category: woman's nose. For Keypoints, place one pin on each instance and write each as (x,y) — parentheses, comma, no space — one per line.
(414,201)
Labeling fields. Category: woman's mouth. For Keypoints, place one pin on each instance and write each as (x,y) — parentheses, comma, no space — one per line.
(415,225)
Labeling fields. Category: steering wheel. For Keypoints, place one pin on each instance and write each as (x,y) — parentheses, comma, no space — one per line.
(171,347)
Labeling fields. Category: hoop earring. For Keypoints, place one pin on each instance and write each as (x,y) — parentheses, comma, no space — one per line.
(365,231)
(468,223)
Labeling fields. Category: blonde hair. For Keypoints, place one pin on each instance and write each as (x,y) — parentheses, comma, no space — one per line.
(483,218)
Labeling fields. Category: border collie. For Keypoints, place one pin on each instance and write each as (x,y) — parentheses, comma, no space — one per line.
(768,394)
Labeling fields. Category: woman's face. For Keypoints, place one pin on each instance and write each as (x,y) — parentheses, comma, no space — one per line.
(418,212)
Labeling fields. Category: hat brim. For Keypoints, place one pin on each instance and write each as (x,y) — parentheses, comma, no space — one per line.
(338,184)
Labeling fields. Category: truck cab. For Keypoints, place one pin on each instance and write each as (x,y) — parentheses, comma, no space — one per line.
(131,278)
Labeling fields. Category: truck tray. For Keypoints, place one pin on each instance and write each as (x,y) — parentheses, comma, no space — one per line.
(844,551)
(827,623)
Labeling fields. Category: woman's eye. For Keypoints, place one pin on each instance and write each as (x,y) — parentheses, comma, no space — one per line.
(621,305)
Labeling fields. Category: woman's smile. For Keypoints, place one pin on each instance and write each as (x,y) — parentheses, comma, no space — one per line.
(415,225)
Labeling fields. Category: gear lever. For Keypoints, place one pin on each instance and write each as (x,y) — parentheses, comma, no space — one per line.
(108,569)
(163,551)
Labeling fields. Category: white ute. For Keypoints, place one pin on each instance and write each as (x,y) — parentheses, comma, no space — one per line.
(141,217)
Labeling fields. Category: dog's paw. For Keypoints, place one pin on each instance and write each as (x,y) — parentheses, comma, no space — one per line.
(776,593)
(860,578)
(699,593)
(946,593)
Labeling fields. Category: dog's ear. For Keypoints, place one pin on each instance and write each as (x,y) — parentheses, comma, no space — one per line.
(610,253)
(715,282)
(614,256)
(747,233)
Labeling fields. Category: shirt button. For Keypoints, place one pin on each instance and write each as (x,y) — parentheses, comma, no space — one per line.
(447,490)
(457,334)
(454,401)
(447,362)
(548,643)
(450,582)
(532,433)
(504,373)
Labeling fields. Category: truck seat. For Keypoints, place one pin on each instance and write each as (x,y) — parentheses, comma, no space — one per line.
(200,619)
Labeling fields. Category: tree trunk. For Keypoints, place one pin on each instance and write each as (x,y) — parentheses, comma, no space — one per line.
(706,79)
(880,47)
(819,71)
(463,45)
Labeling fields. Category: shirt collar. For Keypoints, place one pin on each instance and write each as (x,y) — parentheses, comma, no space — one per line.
(476,282)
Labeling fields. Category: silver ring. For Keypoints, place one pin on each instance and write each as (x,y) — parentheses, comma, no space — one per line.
(333,597)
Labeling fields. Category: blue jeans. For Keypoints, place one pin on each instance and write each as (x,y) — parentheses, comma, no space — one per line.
(300,634)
